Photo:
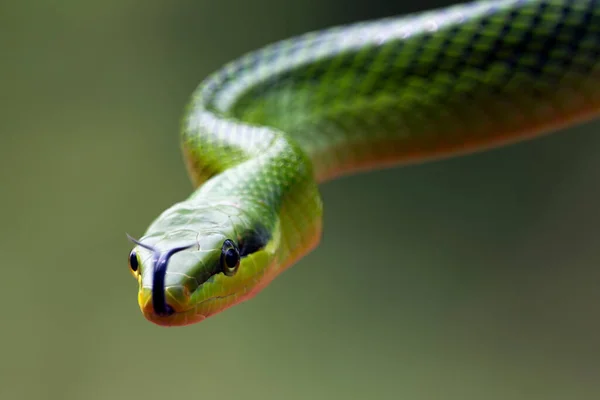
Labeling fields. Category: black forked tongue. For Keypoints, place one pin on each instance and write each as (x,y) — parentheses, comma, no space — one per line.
(161,260)
(158,281)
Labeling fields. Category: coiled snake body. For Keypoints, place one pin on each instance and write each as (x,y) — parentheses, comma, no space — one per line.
(260,134)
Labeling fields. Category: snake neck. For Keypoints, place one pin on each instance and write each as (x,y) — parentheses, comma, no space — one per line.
(259,170)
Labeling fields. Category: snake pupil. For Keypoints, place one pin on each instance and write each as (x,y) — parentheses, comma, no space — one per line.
(133,261)
(230,258)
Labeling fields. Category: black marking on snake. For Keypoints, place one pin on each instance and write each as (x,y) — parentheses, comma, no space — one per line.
(254,240)
(249,242)
(160,261)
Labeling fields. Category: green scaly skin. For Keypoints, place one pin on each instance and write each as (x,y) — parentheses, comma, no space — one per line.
(262,132)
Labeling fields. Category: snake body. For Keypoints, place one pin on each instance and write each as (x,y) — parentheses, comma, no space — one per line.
(263,132)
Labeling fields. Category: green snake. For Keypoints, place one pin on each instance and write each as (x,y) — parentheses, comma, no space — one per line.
(263,132)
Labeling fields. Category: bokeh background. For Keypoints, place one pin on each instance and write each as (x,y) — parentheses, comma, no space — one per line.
(470,278)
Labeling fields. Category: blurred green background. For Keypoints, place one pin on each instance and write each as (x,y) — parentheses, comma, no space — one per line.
(470,278)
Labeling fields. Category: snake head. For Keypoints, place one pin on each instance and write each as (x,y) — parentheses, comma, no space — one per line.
(195,261)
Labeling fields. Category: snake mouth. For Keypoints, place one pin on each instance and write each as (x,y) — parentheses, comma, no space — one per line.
(181,318)
(174,316)
(180,315)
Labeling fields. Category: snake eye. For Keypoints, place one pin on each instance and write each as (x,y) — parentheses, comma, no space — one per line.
(230,258)
(133,262)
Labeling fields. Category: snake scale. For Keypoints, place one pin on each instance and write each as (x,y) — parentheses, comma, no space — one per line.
(260,134)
